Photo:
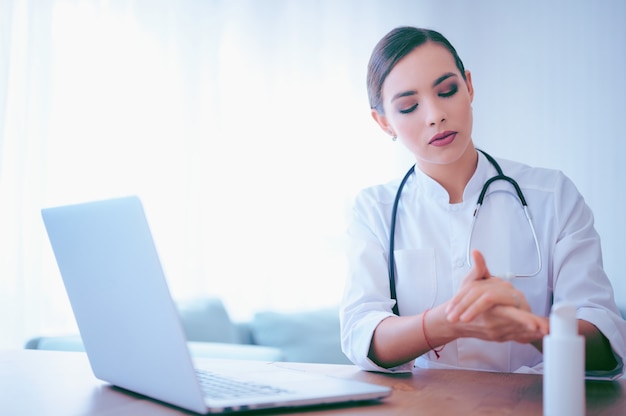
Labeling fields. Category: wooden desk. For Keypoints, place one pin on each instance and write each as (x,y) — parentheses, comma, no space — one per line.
(61,383)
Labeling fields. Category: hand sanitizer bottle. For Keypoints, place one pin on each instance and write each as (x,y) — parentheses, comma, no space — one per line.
(564,365)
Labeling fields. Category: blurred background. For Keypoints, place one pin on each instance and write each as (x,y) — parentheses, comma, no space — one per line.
(244,127)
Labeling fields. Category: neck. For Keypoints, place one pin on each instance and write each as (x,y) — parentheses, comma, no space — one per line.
(453,177)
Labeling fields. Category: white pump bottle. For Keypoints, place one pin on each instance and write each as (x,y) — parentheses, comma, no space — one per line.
(564,365)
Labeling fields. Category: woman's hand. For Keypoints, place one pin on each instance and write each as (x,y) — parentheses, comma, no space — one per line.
(493,308)
(480,291)
(504,323)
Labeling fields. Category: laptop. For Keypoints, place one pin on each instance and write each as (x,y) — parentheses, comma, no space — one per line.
(131,328)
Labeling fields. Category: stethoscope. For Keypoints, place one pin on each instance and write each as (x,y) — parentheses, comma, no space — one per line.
(479,203)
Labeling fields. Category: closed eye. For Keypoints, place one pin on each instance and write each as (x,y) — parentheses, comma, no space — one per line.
(450,92)
(409,110)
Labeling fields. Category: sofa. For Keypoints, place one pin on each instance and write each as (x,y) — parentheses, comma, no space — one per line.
(304,336)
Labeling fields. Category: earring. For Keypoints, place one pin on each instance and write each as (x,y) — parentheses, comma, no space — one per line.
(394,138)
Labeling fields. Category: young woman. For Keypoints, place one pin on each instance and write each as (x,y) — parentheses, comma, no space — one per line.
(445,309)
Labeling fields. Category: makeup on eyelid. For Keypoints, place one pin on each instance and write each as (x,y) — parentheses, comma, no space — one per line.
(449,92)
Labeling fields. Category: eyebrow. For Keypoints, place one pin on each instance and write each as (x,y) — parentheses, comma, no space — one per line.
(413,92)
(443,78)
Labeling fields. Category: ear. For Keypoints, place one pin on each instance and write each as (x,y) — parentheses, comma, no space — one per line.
(470,87)
(382,121)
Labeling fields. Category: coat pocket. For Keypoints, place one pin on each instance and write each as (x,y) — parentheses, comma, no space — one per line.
(416,280)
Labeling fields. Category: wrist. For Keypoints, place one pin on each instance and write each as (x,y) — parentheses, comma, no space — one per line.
(431,330)
(440,330)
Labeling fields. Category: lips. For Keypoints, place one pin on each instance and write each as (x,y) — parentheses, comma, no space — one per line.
(443,138)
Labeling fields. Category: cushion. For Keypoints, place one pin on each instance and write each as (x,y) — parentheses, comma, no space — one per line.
(197,349)
(310,336)
(59,343)
(206,320)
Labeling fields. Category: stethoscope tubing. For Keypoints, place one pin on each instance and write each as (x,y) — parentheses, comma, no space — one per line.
(532,230)
(392,234)
(499,176)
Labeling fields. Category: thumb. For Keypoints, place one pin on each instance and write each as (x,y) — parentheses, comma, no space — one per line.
(479,270)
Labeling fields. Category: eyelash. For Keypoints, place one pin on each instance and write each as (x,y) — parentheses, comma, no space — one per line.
(449,93)
(453,90)
(410,109)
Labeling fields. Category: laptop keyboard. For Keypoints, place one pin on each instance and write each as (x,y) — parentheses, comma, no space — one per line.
(216,386)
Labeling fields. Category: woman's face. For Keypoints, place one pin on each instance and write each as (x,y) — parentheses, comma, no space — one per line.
(427,104)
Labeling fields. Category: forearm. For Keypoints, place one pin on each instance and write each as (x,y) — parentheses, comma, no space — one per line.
(598,352)
(398,340)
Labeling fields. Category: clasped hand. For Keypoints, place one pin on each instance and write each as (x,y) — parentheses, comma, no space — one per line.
(490,308)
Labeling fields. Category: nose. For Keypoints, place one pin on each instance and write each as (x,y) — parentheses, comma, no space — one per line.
(436,114)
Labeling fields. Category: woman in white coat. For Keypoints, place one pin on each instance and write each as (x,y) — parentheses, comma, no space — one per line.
(451,312)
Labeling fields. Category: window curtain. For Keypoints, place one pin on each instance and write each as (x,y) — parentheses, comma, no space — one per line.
(243,126)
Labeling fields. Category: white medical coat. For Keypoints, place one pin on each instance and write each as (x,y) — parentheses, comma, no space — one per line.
(430,256)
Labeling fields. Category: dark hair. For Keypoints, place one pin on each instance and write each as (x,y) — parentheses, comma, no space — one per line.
(394,46)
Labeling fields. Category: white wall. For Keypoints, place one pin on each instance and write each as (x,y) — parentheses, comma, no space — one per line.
(550,91)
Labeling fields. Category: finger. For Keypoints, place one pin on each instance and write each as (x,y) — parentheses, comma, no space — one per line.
(477,297)
(472,311)
(477,272)
(504,323)
(474,296)
(461,302)
(479,260)
(493,295)
(520,301)
(526,335)
(479,269)
(530,321)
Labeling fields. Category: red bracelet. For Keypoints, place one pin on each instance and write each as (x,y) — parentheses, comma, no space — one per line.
(436,351)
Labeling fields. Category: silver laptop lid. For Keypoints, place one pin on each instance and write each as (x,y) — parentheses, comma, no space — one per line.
(108,262)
